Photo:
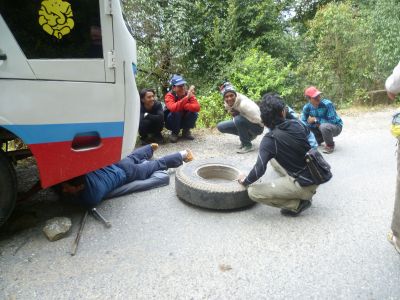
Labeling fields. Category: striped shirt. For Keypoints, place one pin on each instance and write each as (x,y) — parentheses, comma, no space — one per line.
(325,113)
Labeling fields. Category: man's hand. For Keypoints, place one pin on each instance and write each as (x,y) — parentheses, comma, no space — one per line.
(241,179)
(190,92)
(311,120)
(391,96)
(233,112)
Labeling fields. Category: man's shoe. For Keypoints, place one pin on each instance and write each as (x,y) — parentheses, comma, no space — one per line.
(173,138)
(158,138)
(186,134)
(304,204)
(328,149)
(245,149)
(144,140)
(154,146)
(189,156)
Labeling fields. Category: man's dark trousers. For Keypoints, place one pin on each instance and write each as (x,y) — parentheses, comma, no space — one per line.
(175,121)
(137,165)
(148,126)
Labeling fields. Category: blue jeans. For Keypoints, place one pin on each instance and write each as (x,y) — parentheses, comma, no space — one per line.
(246,130)
(137,165)
(175,121)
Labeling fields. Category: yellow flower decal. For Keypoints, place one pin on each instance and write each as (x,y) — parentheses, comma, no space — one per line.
(55,16)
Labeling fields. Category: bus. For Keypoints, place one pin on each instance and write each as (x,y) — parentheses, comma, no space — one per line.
(67,89)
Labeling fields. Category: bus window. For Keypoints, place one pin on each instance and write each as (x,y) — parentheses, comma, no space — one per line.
(55,29)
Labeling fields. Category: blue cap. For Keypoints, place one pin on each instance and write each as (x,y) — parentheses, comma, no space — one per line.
(177,80)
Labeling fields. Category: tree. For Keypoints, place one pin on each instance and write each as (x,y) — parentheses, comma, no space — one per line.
(158,27)
(339,60)
(384,24)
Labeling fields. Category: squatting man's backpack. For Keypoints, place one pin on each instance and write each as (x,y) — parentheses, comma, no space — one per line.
(319,168)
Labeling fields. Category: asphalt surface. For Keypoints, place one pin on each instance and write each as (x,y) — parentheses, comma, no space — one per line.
(161,248)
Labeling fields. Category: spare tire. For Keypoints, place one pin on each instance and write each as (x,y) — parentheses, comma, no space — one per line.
(8,188)
(212,184)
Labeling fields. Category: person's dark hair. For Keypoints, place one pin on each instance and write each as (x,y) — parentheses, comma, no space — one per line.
(76,181)
(143,93)
(271,107)
(67,197)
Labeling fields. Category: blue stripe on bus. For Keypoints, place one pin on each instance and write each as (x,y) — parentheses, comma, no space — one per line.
(52,133)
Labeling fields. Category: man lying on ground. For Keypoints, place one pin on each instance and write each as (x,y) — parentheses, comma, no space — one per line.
(133,173)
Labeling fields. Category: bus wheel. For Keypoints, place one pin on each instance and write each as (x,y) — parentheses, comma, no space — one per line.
(212,184)
(8,190)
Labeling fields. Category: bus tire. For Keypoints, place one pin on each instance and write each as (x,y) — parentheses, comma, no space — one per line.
(211,184)
(8,190)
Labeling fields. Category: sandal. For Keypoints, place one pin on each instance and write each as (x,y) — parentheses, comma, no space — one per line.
(394,241)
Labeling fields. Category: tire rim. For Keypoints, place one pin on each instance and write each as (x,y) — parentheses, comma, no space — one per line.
(218,173)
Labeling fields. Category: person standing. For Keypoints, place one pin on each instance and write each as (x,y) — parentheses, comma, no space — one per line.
(321,117)
(182,109)
(287,143)
(151,118)
(392,85)
(246,122)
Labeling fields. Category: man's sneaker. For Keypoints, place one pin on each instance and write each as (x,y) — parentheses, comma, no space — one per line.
(245,149)
(304,204)
(394,241)
(328,149)
(189,156)
(154,146)
(173,138)
(186,134)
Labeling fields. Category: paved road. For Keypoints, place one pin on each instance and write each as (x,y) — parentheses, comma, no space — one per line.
(161,248)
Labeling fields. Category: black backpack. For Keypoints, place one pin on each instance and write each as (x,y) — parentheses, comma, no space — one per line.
(319,168)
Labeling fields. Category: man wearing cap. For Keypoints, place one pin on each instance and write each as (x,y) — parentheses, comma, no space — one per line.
(392,85)
(182,109)
(246,122)
(321,117)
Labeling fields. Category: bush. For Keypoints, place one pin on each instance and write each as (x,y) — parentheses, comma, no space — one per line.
(255,72)
(212,110)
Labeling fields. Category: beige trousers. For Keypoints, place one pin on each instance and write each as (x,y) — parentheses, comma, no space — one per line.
(283,192)
(396,212)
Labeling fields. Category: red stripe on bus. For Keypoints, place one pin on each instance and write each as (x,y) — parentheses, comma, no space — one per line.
(57,162)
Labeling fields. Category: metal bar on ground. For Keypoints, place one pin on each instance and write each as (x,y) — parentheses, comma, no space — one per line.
(78,235)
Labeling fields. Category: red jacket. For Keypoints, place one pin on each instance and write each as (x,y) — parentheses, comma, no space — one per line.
(174,105)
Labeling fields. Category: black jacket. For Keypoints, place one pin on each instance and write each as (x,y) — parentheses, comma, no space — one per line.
(288,144)
(155,114)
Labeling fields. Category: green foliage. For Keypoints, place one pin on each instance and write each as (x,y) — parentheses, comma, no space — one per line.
(158,27)
(344,47)
(339,62)
(212,110)
(255,72)
(384,25)
(361,97)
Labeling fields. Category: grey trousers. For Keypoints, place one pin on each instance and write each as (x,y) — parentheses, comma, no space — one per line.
(325,133)
(396,212)
(283,192)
